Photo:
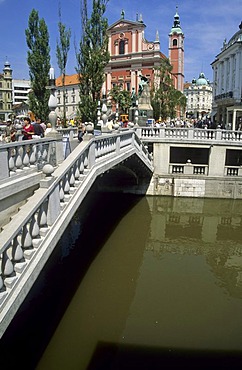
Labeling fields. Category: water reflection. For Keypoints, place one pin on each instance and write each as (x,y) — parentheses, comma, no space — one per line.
(168,277)
(211,228)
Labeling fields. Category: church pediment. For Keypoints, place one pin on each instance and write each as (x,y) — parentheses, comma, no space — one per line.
(124,24)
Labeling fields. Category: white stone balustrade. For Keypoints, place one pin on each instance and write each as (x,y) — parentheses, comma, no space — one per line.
(191,134)
(22,156)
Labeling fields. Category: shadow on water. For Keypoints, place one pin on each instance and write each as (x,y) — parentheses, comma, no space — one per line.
(112,356)
(30,331)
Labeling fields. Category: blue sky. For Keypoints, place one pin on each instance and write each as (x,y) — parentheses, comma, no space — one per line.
(205,24)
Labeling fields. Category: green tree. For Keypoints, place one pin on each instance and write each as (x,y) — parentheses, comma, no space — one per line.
(62,49)
(122,97)
(38,58)
(92,57)
(165,99)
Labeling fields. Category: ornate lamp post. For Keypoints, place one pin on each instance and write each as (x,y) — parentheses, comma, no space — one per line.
(136,114)
(98,111)
(52,104)
(116,114)
(53,117)
(104,109)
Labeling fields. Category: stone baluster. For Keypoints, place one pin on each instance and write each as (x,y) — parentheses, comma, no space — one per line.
(86,160)
(67,186)
(61,191)
(17,250)
(81,165)
(26,237)
(34,230)
(11,164)
(26,161)
(72,178)
(42,217)
(76,172)
(32,158)
(18,159)
(7,266)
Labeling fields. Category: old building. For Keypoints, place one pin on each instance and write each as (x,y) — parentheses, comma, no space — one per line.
(227,78)
(6,98)
(199,94)
(132,55)
(72,98)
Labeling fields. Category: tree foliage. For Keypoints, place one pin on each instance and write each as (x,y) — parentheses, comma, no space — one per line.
(62,49)
(38,58)
(92,57)
(122,97)
(165,98)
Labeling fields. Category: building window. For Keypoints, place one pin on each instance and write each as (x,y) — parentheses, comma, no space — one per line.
(175,42)
(121,47)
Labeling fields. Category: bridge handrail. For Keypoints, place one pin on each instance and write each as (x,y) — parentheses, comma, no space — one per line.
(27,239)
(22,156)
(188,133)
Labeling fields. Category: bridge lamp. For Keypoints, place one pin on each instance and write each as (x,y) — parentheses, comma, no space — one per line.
(104,107)
(116,114)
(98,111)
(52,103)
(136,114)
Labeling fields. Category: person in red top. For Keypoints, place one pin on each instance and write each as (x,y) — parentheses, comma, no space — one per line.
(28,129)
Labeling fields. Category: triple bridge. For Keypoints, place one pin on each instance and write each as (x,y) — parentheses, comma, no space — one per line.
(110,162)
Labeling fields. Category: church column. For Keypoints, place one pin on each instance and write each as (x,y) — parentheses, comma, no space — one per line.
(109,86)
(133,42)
(139,41)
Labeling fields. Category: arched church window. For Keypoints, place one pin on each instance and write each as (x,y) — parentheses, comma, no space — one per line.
(121,47)
(175,42)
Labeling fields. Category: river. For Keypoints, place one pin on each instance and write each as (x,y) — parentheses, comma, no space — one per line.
(158,281)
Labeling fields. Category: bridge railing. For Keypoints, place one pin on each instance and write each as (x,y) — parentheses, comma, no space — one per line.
(29,238)
(187,133)
(23,156)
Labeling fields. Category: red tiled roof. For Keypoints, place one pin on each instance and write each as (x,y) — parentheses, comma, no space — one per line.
(69,80)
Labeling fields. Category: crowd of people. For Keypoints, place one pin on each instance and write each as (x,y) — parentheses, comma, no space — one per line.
(195,123)
(24,130)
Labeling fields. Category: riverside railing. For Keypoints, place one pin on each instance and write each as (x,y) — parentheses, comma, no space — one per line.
(30,237)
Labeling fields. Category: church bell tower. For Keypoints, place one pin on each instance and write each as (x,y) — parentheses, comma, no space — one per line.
(176,52)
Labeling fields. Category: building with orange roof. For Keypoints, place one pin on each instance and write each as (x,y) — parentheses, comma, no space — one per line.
(72,98)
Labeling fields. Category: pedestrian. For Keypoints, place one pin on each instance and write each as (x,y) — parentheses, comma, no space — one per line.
(81,132)
(28,129)
(38,129)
